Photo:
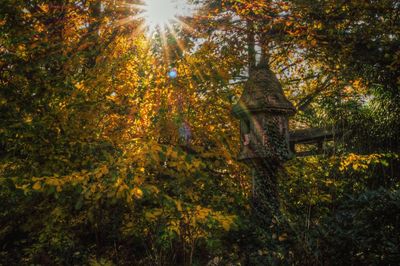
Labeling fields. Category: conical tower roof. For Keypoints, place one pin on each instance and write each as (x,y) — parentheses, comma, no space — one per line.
(263,92)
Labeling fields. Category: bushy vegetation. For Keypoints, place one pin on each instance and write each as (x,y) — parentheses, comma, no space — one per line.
(106,160)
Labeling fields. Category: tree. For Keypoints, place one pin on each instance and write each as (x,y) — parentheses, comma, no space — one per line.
(108,158)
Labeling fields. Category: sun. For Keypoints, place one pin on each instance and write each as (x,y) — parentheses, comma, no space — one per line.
(161,13)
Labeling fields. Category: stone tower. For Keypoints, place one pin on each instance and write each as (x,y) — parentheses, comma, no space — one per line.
(264,111)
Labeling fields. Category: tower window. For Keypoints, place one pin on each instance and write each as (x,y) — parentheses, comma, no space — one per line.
(245,128)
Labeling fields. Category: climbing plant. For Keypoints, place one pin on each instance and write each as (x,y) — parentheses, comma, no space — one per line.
(117,148)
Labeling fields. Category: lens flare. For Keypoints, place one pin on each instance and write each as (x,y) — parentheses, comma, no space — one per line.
(173,73)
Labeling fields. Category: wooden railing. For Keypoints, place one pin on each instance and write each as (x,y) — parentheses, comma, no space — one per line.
(316,136)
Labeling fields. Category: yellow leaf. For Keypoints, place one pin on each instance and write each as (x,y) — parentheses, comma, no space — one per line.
(314,43)
(37,186)
(282,237)
(226,224)
(178,205)
(153,214)
(137,193)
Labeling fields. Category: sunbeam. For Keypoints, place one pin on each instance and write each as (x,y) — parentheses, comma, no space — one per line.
(159,14)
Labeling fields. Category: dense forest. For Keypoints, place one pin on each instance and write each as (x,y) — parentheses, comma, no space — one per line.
(118,145)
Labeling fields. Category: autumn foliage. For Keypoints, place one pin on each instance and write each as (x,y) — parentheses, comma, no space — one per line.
(106,159)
